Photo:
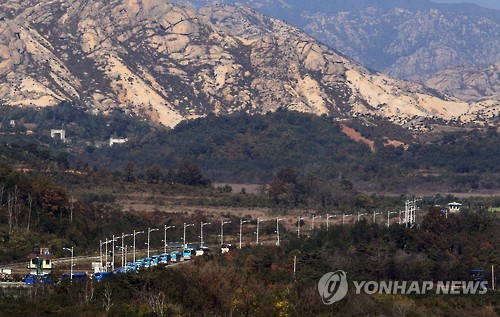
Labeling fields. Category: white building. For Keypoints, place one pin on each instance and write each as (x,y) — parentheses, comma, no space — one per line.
(454,207)
(6,271)
(117,141)
(61,134)
(97,267)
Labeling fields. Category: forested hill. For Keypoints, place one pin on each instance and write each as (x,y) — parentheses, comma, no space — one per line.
(251,148)
(245,148)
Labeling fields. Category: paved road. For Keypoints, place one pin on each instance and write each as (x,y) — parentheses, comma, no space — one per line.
(89,258)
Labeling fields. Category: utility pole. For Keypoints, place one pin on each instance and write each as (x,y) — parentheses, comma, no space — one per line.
(411,212)
(201,232)
(327,220)
(389,217)
(405,214)
(359,215)
(222,223)
(241,228)
(165,238)
(106,252)
(278,230)
(136,233)
(100,253)
(375,215)
(257,232)
(123,245)
(312,224)
(343,217)
(106,255)
(113,252)
(415,209)
(123,251)
(298,226)
(71,269)
(184,235)
(125,257)
(149,237)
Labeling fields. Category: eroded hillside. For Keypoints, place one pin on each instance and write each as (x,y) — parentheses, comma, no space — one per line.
(170,62)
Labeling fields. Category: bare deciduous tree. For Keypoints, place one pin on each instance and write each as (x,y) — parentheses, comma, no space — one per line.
(107,300)
(87,296)
(157,301)
(30,204)
(71,208)
(10,211)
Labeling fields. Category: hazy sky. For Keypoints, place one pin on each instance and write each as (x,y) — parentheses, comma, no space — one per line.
(484,3)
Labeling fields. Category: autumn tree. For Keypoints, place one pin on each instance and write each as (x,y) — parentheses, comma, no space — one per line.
(129,171)
(154,174)
(190,174)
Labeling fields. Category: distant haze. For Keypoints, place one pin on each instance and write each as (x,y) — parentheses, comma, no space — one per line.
(484,3)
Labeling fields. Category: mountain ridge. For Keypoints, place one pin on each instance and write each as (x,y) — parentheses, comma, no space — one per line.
(410,40)
(169,63)
(468,83)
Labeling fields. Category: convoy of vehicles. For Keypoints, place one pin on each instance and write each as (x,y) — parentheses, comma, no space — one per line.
(144,263)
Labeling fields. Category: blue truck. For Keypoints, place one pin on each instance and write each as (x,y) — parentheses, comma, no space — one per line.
(77,277)
(32,279)
(165,258)
(175,256)
(188,253)
(100,276)
(155,260)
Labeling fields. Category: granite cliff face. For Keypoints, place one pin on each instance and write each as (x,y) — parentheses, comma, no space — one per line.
(468,83)
(169,62)
(411,40)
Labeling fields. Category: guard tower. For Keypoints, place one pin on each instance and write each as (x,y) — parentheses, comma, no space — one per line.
(61,134)
(454,207)
(40,261)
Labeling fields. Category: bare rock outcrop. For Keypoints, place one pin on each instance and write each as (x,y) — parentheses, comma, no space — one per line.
(168,62)
(468,83)
(411,40)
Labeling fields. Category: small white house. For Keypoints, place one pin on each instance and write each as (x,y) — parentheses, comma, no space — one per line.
(40,261)
(117,141)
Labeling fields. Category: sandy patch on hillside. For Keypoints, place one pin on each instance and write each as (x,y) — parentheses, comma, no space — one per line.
(396,143)
(356,136)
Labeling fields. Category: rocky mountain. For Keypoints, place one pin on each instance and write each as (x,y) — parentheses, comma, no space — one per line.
(169,62)
(411,40)
(494,4)
(468,83)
